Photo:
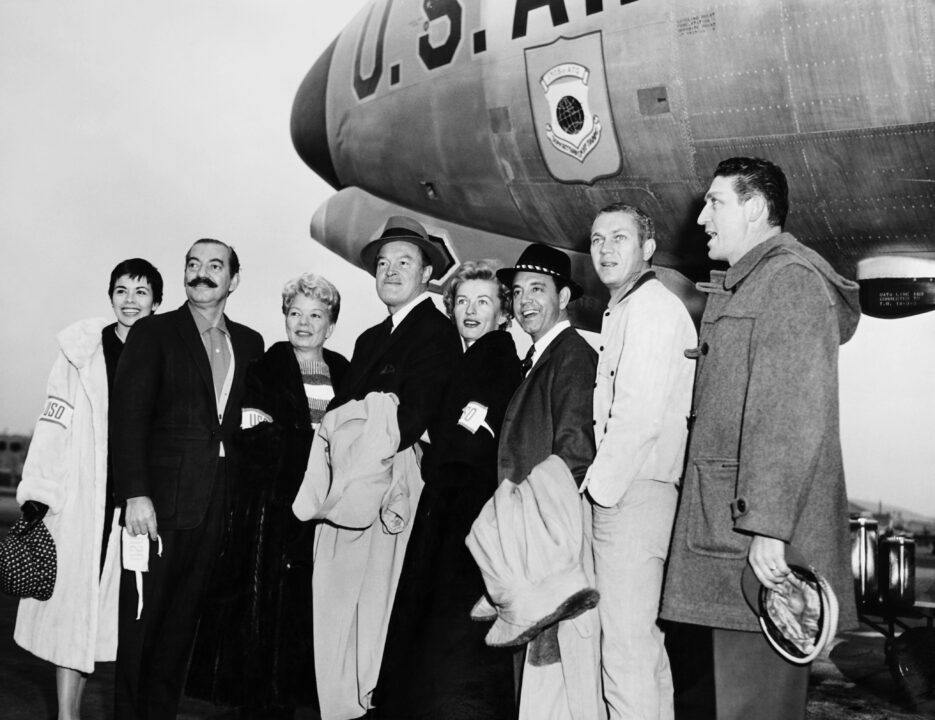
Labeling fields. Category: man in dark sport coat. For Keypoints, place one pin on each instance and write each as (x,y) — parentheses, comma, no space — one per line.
(550,414)
(175,406)
(412,352)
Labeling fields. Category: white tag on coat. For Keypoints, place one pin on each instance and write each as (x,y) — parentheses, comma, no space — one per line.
(251,417)
(474,417)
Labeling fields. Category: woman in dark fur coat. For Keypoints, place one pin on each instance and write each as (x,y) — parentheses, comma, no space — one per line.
(254,646)
(435,662)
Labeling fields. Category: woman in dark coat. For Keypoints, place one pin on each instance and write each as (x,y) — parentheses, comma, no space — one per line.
(254,647)
(435,662)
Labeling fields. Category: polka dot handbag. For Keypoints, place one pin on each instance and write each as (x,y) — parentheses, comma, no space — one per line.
(28,560)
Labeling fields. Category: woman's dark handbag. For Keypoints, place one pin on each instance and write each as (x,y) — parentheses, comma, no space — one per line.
(27,557)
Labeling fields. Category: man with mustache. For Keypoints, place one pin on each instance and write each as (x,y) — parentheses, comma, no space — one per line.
(175,406)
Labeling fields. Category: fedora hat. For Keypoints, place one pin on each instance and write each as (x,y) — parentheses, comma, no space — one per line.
(545,259)
(400,227)
(800,617)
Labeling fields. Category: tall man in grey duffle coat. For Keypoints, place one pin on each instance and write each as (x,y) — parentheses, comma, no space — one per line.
(764,466)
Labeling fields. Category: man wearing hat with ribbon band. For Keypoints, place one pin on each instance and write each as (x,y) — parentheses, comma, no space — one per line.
(550,414)
(412,351)
(410,355)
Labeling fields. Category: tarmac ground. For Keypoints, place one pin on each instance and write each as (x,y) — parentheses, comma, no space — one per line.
(850,682)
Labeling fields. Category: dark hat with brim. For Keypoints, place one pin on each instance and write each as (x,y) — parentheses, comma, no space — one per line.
(544,259)
(406,229)
(799,618)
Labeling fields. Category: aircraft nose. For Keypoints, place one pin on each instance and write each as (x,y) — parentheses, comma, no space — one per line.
(309,121)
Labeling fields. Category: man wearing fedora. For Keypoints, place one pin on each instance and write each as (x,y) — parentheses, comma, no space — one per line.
(550,414)
(641,399)
(412,351)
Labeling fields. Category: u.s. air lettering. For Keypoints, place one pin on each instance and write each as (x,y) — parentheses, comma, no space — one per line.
(435,10)
(450,15)
(364,87)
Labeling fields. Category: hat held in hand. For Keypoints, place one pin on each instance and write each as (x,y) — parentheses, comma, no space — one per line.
(527,542)
(800,617)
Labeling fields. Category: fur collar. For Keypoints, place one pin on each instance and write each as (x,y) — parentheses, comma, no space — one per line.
(80,340)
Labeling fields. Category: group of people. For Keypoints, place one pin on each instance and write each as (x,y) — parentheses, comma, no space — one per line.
(243,526)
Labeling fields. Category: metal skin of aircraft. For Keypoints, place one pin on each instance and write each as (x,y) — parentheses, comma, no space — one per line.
(499,122)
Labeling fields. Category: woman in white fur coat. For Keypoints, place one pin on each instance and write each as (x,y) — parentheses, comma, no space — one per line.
(67,476)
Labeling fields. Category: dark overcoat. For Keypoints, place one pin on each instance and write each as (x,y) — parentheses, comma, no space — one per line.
(764,454)
(254,646)
(436,663)
(414,362)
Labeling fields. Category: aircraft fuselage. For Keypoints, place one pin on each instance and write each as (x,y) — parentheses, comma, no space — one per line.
(520,119)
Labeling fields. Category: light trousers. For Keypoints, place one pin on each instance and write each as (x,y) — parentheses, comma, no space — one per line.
(631,542)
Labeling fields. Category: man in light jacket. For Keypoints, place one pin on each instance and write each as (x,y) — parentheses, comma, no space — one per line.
(642,397)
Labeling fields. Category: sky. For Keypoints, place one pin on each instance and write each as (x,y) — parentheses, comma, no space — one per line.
(132,129)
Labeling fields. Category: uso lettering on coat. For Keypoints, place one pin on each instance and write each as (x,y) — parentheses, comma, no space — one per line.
(57,411)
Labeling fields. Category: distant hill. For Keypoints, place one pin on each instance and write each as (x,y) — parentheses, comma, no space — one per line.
(908,516)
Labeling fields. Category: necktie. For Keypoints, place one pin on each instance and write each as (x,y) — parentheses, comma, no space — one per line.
(386,327)
(526,365)
(219,356)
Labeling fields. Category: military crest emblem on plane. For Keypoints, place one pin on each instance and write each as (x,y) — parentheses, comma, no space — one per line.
(571,108)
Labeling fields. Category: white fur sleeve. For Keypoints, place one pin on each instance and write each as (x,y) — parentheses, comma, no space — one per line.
(46,468)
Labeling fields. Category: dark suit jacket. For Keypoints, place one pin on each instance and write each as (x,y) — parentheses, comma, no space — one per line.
(551,412)
(164,427)
(415,362)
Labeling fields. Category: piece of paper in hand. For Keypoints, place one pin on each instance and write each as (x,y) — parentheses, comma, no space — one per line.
(135,555)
